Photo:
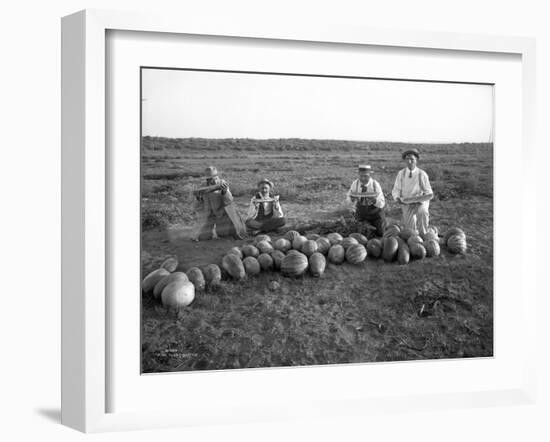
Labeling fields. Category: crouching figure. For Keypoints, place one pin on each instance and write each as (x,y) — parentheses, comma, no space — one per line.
(265,213)
(218,212)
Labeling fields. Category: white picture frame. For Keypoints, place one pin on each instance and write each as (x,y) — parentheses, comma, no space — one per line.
(86,207)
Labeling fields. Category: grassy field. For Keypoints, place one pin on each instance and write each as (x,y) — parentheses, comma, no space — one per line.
(434,308)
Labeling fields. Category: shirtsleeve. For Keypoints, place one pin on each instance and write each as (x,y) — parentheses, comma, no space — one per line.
(396,192)
(380,200)
(426,186)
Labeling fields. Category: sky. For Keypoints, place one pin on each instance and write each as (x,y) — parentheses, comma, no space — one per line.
(181,104)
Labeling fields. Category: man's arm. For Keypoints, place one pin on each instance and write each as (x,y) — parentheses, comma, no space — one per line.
(277,209)
(380,201)
(396,191)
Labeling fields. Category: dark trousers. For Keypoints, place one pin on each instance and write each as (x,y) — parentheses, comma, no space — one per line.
(265,224)
(373,215)
(223,224)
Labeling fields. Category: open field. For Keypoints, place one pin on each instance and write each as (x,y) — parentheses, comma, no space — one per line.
(364,313)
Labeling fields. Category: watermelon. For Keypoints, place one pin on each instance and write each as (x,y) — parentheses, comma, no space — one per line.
(282,244)
(356,254)
(294,264)
(453,231)
(389,248)
(197,278)
(313,236)
(233,266)
(407,232)
(235,251)
(290,235)
(457,244)
(335,238)
(170,264)
(178,294)
(266,261)
(430,236)
(392,230)
(212,275)
(251,266)
(277,257)
(374,248)
(260,238)
(349,241)
(403,253)
(432,248)
(336,254)
(417,251)
(361,239)
(309,247)
(168,279)
(323,245)
(250,250)
(414,239)
(317,264)
(298,242)
(152,279)
(264,246)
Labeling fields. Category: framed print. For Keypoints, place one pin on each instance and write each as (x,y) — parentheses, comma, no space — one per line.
(196,158)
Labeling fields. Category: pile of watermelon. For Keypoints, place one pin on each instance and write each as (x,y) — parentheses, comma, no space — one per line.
(295,255)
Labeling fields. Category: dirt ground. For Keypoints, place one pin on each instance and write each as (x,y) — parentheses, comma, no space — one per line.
(439,307)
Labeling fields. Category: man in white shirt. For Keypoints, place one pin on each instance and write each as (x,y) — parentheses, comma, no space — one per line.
(369,208)
(413,191)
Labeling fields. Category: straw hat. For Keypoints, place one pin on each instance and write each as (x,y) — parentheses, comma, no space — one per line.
(210,172)
(411,152)
(265,181)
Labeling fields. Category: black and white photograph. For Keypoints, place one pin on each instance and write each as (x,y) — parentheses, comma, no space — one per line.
(302,220)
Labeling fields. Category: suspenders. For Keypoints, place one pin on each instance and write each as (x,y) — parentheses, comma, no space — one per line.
(403,173)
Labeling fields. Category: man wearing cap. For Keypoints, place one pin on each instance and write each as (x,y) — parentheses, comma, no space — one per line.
(265,213)
(218,209)
(369,208)
(413,191)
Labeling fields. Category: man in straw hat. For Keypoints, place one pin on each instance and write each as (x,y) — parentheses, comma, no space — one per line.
(265,213)
(370,207)
(413,191)
(218,209)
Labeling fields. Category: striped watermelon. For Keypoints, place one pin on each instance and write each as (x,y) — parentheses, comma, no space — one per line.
(294,264)
(374,248)
(317,264)
(336,254)
(323,245)
(356,254)
(309,247)
(251,266)
(349,241)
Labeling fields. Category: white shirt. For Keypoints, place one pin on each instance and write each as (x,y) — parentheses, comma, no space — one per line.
(372,187)
(409,184)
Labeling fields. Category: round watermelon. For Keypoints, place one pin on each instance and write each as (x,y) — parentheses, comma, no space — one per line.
(170,264)
(250,250)
(417,251)
(152,279)
(233,266)
(453,231)
(336,254)
(298,242)
(389,248)
(168,279)
(264,246)
(407,232)
(335,238)
(457,244)
(361,239)
(348,241)
(277,257)
(294,264)
(392,230)
(260,238)
(309,247)
(282,244)
(266,261)
(356,254)
(197,278)
(235,251)
(291,234)
(374,248)
(432,248)
(317,264)
(251,266)
(414,240)
(429,236)
(212,275)
(313,236)
(323,245)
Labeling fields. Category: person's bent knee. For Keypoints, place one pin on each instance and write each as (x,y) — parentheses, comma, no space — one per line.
(280,222)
